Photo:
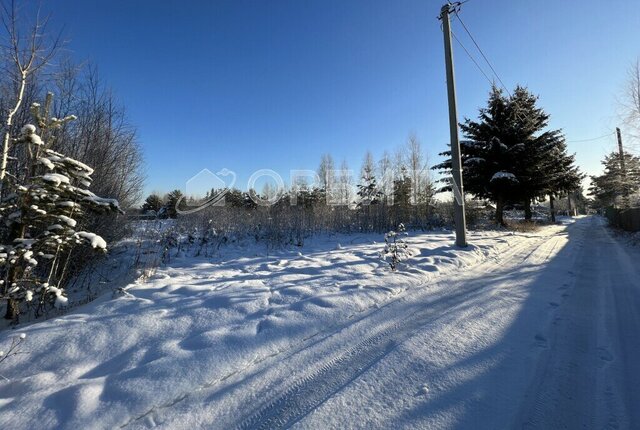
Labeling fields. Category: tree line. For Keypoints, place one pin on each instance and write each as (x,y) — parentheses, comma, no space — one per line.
(397,188)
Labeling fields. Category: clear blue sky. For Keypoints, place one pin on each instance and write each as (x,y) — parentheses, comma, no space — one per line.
(274,84)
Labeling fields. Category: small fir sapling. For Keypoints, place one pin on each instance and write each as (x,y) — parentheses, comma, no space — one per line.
(395,248)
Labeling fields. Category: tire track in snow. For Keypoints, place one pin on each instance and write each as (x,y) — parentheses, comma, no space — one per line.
(305,394)
(312,389)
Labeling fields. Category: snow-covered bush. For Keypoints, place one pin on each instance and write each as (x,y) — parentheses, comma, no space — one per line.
(42,210)
(170,239)
(395,248)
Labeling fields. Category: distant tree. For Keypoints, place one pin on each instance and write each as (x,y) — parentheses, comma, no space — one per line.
(326,172)
(422,188)
(402,188)
(303,194)
(630,100)
(152,203)
(614,187)
(344,184)
(368,192)
(385,176)
(573,202)
(174,201)
(429,191)
(562,177)
(233,198)
(369,195)
(417,168)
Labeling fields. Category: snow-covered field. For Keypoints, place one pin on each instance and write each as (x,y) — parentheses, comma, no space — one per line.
(534,330)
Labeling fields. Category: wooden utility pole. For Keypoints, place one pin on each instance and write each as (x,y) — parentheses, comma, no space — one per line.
(623,167)
(620,150)
(456,164)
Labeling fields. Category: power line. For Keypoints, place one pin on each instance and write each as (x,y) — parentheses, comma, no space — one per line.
(481,52)
(466,29)
(593,138)
(471,57)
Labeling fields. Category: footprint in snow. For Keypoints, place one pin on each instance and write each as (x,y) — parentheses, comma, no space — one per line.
(604,354)
(540,340)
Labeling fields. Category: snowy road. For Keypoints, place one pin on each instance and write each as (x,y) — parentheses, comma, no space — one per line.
(590,375)
(523,331)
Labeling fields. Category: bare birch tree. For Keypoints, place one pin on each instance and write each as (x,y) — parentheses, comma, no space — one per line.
(631,100)
(26,55)
(326,172)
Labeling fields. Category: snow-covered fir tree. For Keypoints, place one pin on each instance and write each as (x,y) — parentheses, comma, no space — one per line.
(368,191)
(42,211)
(617,187)
(395,248)
(510,156)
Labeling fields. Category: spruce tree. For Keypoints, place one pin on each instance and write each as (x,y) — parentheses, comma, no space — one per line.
(368,191)
(175,202)
(615,187)
(402,187)
(152,203)
(545,167)
(561,174)
(508,156)
(43,213)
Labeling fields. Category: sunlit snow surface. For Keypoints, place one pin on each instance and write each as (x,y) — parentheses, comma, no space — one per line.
(323,336)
